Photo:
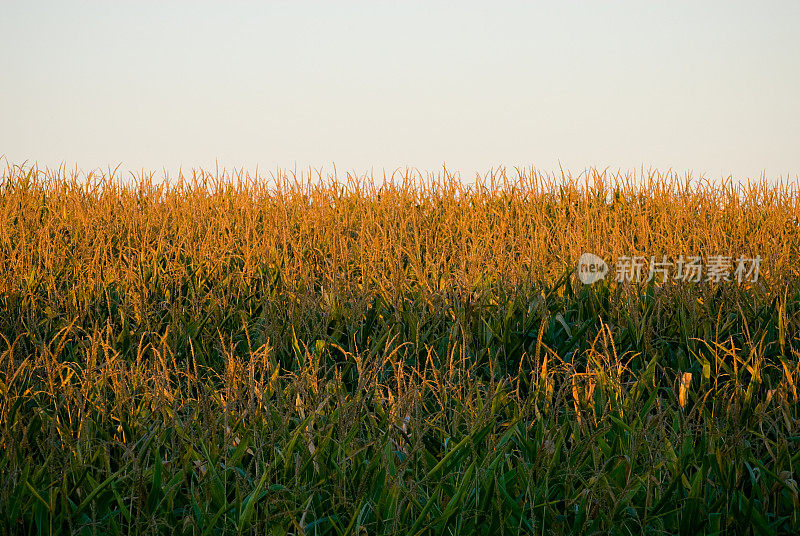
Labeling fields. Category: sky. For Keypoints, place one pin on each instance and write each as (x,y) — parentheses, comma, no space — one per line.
(712,88)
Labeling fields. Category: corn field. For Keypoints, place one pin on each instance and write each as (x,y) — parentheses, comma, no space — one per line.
(220,353)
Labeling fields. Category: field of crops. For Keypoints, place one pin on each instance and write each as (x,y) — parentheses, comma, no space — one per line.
(216,354)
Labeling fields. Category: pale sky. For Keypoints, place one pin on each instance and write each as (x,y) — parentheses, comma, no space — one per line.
(711,87)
